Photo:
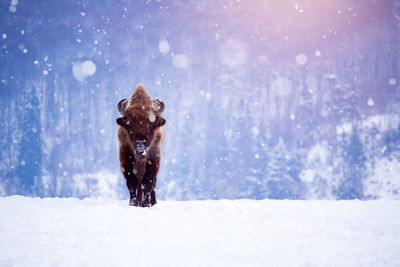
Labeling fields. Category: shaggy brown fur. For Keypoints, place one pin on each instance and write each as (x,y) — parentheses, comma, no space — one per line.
(141,134)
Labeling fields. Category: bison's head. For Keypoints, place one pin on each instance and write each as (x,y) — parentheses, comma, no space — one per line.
(141,116)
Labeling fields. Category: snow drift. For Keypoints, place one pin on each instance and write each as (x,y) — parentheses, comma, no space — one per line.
(92,232)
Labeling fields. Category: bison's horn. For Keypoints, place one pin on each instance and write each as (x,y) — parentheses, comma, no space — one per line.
(122,106)
(161,106)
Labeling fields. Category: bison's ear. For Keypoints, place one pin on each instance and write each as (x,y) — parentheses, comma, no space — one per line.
(160,121)
(122,121)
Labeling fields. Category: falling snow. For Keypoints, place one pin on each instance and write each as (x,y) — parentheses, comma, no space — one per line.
(392,81)
(288,108)
(81,70)
(255,131)
(180,61)
(301,59)
(163,46)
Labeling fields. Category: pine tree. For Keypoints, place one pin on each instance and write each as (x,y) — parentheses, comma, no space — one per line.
(353,169)
(30,161)
(283,170)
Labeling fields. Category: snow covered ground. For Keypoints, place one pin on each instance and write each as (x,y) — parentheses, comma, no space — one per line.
(90,232)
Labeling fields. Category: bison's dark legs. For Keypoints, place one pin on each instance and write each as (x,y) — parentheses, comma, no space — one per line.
(127,170)
(153,197)
(139,192)
(146,201)
(131,183)
(149,182)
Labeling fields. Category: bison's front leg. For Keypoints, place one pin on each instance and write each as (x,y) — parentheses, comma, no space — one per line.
(127,170)
(139,169)
(146,201)
(149,195)
(127,160)
(132,184)
(153,197)
(149,181)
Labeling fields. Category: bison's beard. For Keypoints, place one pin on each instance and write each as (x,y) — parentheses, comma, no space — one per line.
(141,147)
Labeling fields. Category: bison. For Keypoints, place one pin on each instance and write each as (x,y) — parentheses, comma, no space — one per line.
(140,135)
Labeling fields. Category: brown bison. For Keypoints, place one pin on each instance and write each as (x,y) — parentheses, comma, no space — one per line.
(140,135)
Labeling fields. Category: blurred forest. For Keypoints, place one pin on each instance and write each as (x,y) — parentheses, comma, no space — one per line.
(296,99)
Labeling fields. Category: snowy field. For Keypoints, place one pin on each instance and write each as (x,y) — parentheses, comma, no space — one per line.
(90,232)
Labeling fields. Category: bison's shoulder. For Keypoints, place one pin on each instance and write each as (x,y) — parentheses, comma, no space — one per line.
(123,136)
